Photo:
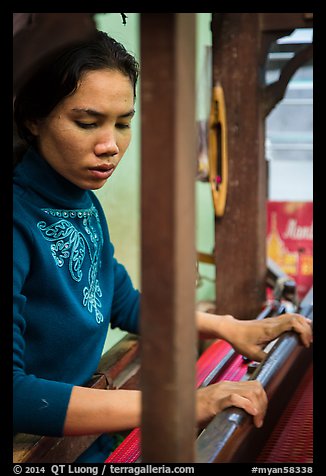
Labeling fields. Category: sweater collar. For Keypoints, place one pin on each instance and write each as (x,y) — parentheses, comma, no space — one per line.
(35,173)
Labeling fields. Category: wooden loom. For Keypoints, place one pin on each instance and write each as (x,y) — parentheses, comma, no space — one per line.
(286,374)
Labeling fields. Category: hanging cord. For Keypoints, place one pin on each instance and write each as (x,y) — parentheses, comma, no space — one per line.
(124,18)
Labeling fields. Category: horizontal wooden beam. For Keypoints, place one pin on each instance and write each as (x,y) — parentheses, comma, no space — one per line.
(205,258)
(285,21)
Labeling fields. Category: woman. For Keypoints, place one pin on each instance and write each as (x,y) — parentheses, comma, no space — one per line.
(74,115)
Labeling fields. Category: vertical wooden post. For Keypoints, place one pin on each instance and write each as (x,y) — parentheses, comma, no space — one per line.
(240,235)
(168,337)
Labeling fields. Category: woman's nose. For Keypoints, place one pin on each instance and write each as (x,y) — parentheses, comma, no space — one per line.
(107,145)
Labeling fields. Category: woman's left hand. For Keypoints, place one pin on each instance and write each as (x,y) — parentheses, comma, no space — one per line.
(249,337)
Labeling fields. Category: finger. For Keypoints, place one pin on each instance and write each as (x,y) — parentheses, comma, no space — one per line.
(299,324)
(305,334)
(303,327)
(246,404)
(258,421)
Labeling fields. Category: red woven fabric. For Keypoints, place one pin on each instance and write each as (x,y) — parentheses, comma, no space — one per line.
(209,358)
(128,451)
(292,439)
(235,371)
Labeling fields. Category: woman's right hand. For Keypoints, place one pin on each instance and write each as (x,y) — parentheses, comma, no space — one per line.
(249,395)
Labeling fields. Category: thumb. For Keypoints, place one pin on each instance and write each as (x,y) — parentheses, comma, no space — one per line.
(259,355)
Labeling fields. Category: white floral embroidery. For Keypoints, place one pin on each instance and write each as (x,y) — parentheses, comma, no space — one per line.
(70,243)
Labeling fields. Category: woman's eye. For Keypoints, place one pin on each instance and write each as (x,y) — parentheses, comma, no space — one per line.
(86,125)
(123,126)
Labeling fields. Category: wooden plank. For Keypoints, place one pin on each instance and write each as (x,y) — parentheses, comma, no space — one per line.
(168,236)
(118,357)
(240,235)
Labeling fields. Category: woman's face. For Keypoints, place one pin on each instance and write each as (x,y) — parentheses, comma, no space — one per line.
(86,135)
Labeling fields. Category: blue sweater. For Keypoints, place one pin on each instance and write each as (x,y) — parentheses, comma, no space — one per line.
(68,287)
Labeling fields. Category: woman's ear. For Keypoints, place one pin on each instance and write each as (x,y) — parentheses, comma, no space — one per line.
(33,127)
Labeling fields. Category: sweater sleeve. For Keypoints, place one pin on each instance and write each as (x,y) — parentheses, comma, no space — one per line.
(126,301)
(39,405)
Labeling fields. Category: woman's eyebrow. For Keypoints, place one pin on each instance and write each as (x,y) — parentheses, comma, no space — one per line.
(93,112)
(131,113)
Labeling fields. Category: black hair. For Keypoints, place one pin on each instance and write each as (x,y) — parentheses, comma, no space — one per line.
(58,77)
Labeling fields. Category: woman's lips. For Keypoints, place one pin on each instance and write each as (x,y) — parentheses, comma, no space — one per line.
(102,172)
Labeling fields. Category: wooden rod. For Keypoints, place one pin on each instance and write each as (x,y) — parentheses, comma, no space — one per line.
(168,271)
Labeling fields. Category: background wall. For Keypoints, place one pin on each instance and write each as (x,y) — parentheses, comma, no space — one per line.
(120,197)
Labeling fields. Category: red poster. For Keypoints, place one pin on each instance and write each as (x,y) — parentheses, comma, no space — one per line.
(290,240)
